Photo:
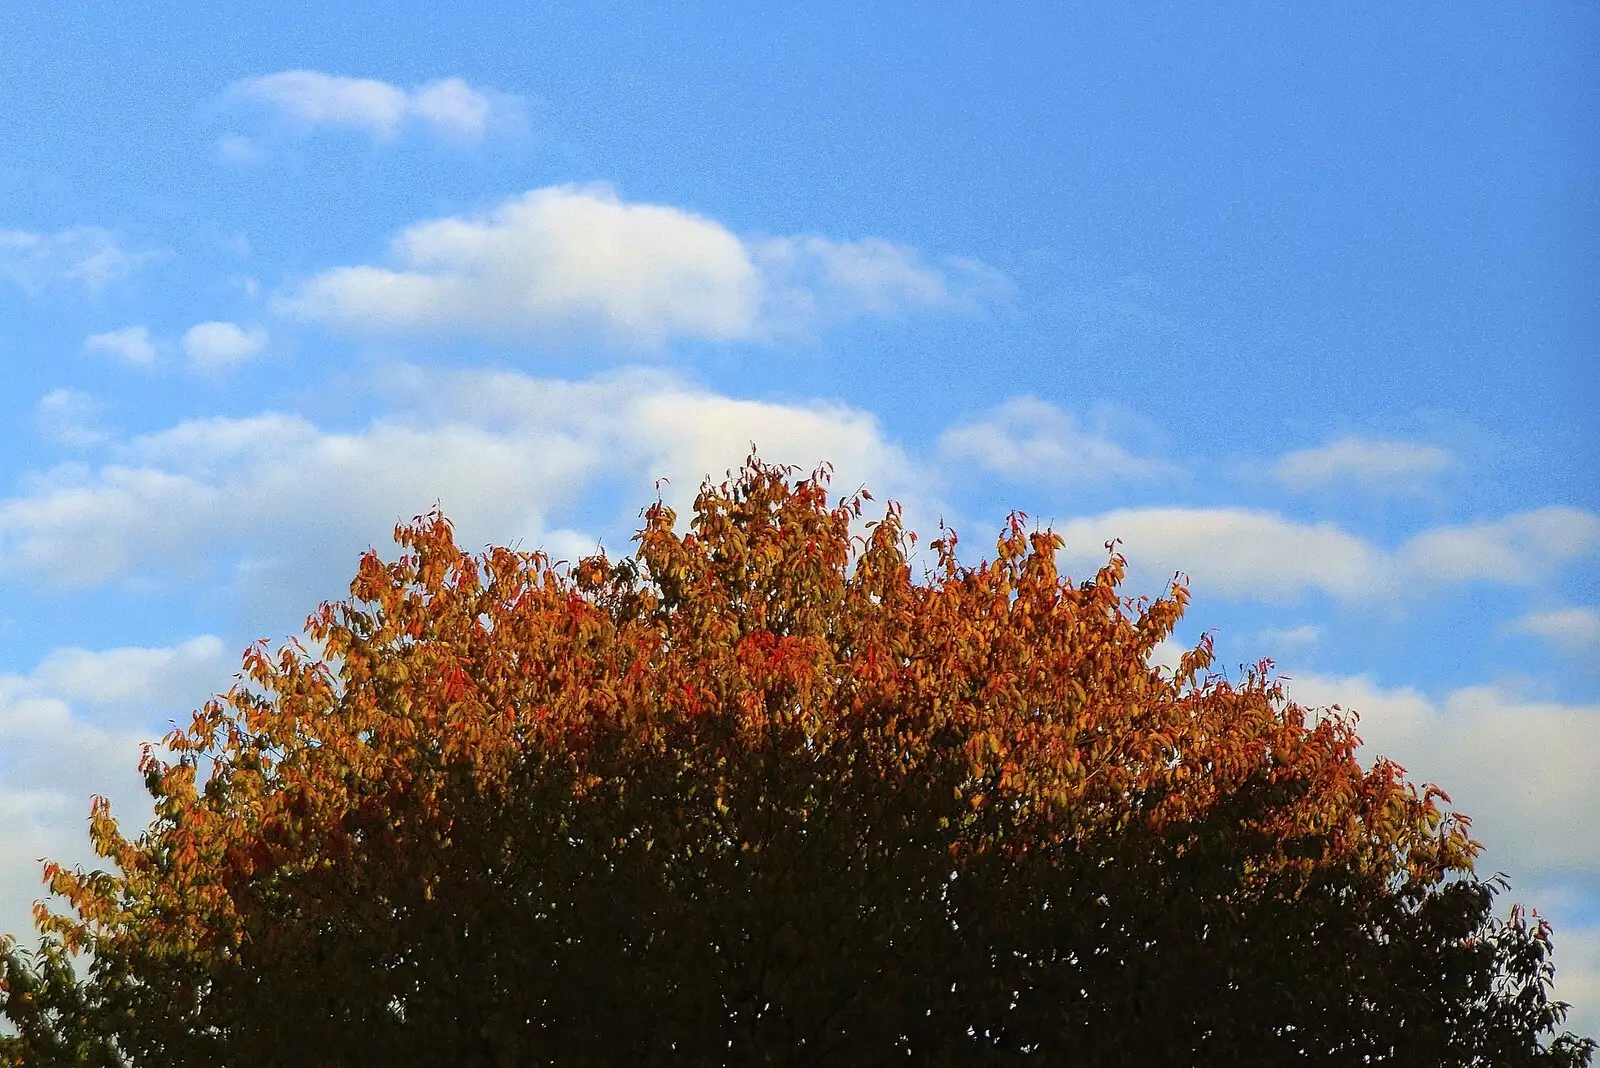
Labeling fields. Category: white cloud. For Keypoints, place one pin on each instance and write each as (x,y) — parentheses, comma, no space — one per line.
(237,148)
(694,435)
(1523,548)
(1278,641)
(508,455)
(650,424)
(1027,439)
(71,728)
(308,98)
(578,258)
(1577,956)
(1262,555)
(215,346)
(1232,551)
(552,259)
(452,106)
(1523,770)
(816,277)
(89,256)
(881,274)
(314,99)
(1168,653)
(1574,630)
(1384,465)
(159,676)
(69,416)
(131,344)
(287,504)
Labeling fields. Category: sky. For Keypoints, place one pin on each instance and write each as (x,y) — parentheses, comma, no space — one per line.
(1302,301)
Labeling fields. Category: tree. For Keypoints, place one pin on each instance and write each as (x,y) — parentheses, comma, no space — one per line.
(757,794)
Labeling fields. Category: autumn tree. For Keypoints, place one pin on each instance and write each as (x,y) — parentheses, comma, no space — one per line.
(761,793)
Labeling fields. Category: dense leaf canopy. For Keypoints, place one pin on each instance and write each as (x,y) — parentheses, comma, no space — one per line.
(760,794)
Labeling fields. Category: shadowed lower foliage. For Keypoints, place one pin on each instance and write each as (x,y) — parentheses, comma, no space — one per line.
(757,794)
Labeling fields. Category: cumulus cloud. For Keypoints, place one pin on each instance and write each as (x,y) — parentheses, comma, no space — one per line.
(552,258)
(506,455)
(1573,630)
(130,345)
(70,417)
(72,727)
(1385,465)
(306,99)
(1027,439)
(1262,555)
(215,346)
(579,258)
(89,256)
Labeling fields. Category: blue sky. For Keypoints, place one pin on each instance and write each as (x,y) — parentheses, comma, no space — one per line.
(1301,302)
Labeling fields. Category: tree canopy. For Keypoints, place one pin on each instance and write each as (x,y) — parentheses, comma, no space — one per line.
(759,792)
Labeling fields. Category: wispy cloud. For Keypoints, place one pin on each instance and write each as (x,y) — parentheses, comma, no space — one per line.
(1520,548)
(568,259)
(1261,555)
(1233,552)
(71,417)
(131,345)
(1380,465)
(307,99)
(89,256)
(1278,641)
(1573,630)
(1028,440)
(811,278)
